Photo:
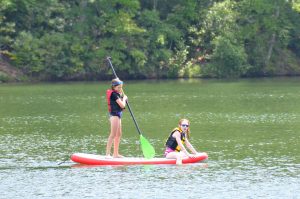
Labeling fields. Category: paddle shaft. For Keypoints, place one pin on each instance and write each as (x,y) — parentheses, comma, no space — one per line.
(129,108)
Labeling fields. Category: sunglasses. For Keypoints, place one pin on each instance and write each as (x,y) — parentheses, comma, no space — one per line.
(184,125)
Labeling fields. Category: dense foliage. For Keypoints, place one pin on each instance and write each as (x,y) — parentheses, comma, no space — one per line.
(63,40)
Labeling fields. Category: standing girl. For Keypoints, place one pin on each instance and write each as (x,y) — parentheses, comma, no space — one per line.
(175,143)
(116,101)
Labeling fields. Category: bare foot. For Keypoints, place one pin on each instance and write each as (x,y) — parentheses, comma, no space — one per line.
(108,157)
(118,156)
(179,161)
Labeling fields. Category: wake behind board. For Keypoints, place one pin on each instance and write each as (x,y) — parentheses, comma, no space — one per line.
(91,159)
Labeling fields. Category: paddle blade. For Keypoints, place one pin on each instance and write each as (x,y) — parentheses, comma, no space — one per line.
(147,148)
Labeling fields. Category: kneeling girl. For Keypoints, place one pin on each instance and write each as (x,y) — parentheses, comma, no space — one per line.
(175,143)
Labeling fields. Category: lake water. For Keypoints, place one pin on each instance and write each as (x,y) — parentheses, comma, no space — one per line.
(250,129)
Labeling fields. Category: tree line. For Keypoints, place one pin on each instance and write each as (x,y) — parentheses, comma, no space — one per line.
(69,40)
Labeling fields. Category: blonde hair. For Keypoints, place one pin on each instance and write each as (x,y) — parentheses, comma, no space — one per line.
(188,130)
(115,82)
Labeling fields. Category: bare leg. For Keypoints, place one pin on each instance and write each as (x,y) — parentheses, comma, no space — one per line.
(114,124)
(117,140)
(176,155)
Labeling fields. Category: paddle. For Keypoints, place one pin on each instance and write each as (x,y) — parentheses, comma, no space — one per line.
(147,148)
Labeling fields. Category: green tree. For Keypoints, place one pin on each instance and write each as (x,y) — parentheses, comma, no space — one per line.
(221,42)
(267,29)
(61,39)
(161,40)
(7,29)
(228,58)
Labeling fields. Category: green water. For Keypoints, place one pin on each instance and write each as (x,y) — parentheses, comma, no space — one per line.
(249,128)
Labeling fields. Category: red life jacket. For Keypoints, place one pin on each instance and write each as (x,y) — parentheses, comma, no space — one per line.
(108,95)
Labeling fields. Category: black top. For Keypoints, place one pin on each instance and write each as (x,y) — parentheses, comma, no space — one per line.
(114,105)
(172,142)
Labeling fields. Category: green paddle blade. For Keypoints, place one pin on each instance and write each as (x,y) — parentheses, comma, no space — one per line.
(147,148)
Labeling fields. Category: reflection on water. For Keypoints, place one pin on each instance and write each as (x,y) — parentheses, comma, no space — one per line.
(250,130)
(218,180)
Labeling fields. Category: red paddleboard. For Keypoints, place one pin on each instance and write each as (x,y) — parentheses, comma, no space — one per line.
(91,159)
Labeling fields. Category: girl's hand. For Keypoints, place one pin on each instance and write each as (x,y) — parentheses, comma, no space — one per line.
(125,98)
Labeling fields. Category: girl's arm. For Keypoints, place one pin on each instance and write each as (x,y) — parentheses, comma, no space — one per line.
(178,139)
(122,102)
(190,146)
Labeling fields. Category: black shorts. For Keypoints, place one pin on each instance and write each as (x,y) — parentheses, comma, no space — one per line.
(118,114)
